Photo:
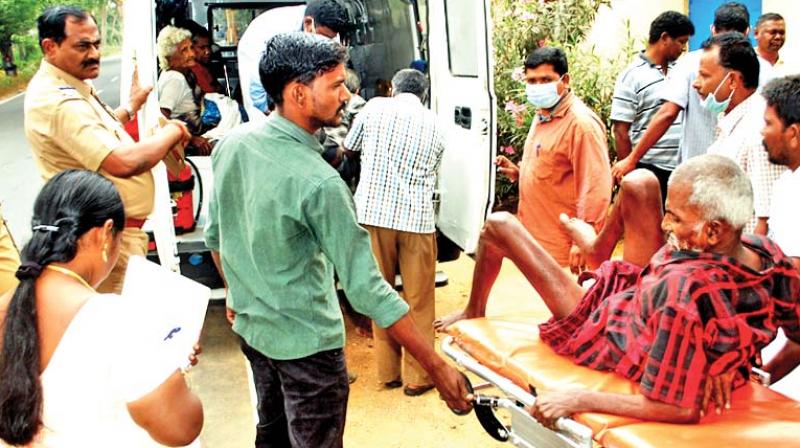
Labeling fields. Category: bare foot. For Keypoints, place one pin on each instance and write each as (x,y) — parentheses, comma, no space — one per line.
(584,236)
(442,323)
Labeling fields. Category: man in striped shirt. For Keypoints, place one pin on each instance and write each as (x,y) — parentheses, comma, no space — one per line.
(637,96)
(701,306)
(401,148)
(679,96)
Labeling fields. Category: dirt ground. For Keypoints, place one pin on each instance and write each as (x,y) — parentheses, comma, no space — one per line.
(377,417)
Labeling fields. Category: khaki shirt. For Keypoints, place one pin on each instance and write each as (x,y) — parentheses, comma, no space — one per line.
(9,259)
(69,127)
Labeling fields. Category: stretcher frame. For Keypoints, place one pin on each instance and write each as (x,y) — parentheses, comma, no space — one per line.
(524,431)
(502,351)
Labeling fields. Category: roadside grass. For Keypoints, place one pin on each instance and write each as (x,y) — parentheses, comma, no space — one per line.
(11,85)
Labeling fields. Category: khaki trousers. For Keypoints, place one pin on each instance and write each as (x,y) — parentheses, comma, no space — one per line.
(9,259)
(415,255)
(133,242)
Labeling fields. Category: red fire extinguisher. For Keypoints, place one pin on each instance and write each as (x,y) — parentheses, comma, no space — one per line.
(180,189)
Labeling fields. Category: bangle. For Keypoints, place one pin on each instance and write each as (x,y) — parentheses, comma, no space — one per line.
(129,111)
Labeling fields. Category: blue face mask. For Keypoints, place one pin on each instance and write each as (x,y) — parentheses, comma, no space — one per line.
(543,96)
(712,105)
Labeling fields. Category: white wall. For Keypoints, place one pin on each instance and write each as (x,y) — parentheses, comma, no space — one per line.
(608,33)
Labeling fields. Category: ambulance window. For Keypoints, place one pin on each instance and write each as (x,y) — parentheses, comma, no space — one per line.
(228,24)
(384,41)
(461,41)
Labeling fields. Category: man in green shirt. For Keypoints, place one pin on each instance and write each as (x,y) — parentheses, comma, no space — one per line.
(280,220)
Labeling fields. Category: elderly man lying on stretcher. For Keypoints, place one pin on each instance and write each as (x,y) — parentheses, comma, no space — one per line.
(702,307)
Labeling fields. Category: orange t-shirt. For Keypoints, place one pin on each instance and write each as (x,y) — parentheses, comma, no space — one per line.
(564,169)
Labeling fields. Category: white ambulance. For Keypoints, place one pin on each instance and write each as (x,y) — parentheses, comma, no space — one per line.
(453,36)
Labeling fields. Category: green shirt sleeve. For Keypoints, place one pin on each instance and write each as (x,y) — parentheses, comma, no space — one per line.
(331,216)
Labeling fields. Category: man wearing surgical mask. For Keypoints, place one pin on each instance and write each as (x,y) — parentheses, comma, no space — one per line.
(565,166)
(324,17)
(727,81)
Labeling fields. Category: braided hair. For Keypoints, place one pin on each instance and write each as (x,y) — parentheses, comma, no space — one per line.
(69,205)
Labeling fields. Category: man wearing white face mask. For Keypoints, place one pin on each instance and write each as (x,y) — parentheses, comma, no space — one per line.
(565,166)
(678,95)
(727,81)
(324,17)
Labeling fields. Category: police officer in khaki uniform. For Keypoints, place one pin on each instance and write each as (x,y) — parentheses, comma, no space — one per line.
(68,126)
(9,258)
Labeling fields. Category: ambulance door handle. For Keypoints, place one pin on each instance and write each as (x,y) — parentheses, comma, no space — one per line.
(463,117)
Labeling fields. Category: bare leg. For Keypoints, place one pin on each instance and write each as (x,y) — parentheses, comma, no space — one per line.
(503,236)
(488,261)
(636,213)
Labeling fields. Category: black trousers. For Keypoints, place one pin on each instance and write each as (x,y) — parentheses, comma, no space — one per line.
(302,403)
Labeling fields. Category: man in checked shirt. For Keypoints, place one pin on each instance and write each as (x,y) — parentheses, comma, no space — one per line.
(701,307)
(727,81)
(401,149)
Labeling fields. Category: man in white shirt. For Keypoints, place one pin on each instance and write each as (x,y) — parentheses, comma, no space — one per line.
(782,141)
(401,149)
(727,81)
(324,17)
(770,36)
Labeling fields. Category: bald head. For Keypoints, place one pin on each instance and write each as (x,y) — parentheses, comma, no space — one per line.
(720,189)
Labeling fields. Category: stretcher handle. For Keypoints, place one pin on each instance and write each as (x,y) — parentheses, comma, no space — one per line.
(570,426)
(471,391)
(581,433)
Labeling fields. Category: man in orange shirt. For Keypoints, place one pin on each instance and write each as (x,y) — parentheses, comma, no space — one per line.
(565,166)
(564,169)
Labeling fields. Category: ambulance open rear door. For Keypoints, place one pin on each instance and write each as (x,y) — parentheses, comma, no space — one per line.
(462,95)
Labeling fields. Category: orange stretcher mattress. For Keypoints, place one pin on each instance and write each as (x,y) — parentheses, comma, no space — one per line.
(511,347)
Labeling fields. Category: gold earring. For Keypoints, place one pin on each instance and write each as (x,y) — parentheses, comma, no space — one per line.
(105,253)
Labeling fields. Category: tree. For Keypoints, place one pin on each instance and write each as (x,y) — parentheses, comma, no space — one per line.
(16,17)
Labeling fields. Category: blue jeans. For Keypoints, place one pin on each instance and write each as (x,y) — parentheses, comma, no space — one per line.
(302,403)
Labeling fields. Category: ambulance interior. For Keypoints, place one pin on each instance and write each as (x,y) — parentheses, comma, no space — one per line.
(384,37)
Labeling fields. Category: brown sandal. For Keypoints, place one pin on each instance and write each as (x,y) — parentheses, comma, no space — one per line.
(415,391)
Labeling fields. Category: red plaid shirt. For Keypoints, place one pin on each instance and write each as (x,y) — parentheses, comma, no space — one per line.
(682,318)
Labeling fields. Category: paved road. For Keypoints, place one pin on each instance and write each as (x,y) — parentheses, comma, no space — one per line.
(19,177)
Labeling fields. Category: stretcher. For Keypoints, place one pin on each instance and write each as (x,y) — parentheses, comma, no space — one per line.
(507,353)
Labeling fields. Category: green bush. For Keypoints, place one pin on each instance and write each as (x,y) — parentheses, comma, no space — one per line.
(520,26)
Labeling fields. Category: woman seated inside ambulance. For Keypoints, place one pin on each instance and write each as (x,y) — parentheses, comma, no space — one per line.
(179,95)
(73,370)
